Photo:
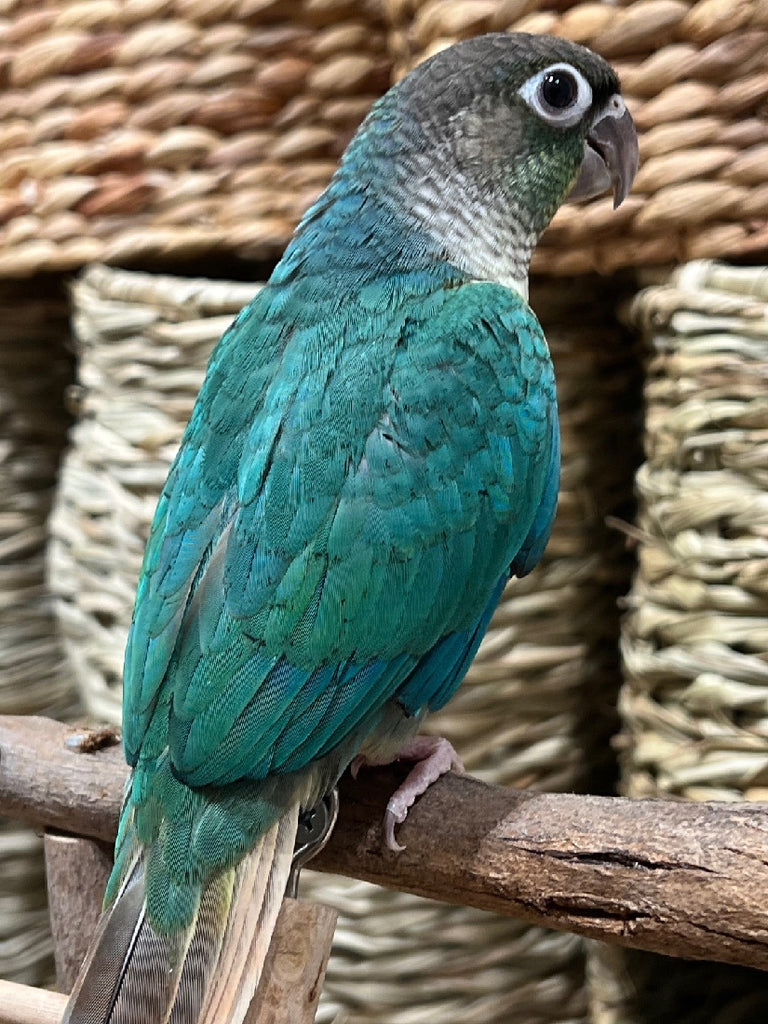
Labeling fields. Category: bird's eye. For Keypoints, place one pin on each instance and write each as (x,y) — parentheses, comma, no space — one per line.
(559,89)
(559,94)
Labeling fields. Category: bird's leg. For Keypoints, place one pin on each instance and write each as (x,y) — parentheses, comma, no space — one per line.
(433,757)
(315,827)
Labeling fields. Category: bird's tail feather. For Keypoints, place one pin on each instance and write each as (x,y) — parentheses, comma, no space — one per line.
(206,974)
(258,893)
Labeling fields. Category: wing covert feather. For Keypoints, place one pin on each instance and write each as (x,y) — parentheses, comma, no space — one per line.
(382,489)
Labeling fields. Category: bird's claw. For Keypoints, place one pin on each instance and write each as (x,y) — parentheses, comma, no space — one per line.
(433,757)
(393,816)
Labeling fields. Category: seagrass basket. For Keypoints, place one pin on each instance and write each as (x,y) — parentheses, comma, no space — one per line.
(695,75)
(172,129)
(536,709)
(34,371)
(695,638)
(694,641)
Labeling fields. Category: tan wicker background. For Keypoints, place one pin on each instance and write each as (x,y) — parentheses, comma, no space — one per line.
(538,706)
(695,642)
(169,129)
(632,987)
(694,704)
(34,370)
(173,129)
(695,74)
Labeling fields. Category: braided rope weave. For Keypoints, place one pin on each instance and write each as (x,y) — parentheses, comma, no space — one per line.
(695,640)
(694,703)
(172,129)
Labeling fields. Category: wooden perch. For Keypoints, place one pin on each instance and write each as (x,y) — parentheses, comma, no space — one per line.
(677,878)
(294,970)
(22,1004)
(76,871)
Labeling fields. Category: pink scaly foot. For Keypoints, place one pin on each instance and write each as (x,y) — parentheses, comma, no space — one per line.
(433,757)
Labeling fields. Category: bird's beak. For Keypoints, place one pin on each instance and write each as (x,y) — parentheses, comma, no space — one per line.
(610,155)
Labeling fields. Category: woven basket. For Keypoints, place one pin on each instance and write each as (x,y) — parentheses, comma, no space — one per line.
(695,641)
(33,374)
(694,704)
(171,129)
(695,75)
(537,701)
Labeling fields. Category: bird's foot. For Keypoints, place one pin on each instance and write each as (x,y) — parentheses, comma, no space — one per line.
(433,757)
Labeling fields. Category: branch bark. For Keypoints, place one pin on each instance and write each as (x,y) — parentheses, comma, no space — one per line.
(677,878)
(294,971)
(76,870)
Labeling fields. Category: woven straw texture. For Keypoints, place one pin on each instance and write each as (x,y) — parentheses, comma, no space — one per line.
(527,714)
(695,641)
(695,75)
(33,375)
(168,129)
(694,704)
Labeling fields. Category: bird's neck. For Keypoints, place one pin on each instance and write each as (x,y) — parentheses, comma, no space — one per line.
(413,212)
(480,232)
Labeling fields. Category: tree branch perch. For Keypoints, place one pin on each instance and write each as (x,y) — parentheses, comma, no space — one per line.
(677,878)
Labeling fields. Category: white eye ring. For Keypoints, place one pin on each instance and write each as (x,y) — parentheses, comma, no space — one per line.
(535,90)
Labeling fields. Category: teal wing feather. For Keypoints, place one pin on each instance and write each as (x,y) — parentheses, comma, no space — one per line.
(529,555)
(366,501)
(192,508)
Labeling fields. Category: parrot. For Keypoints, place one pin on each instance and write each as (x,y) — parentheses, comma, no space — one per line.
(373,453)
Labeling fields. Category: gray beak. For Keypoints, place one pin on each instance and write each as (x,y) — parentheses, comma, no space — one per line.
(610,156)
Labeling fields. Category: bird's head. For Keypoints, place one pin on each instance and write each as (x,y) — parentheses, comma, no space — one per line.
(479,145)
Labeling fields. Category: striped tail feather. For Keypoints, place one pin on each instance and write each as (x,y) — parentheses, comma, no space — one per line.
(206,974)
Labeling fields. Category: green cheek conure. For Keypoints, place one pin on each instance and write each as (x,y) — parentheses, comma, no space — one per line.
(373,453)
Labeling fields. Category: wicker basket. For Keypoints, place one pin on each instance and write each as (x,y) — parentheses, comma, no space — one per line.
(546,675)
(695,74)
(694,703)
(172,129)
(34,371)
(695,641)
